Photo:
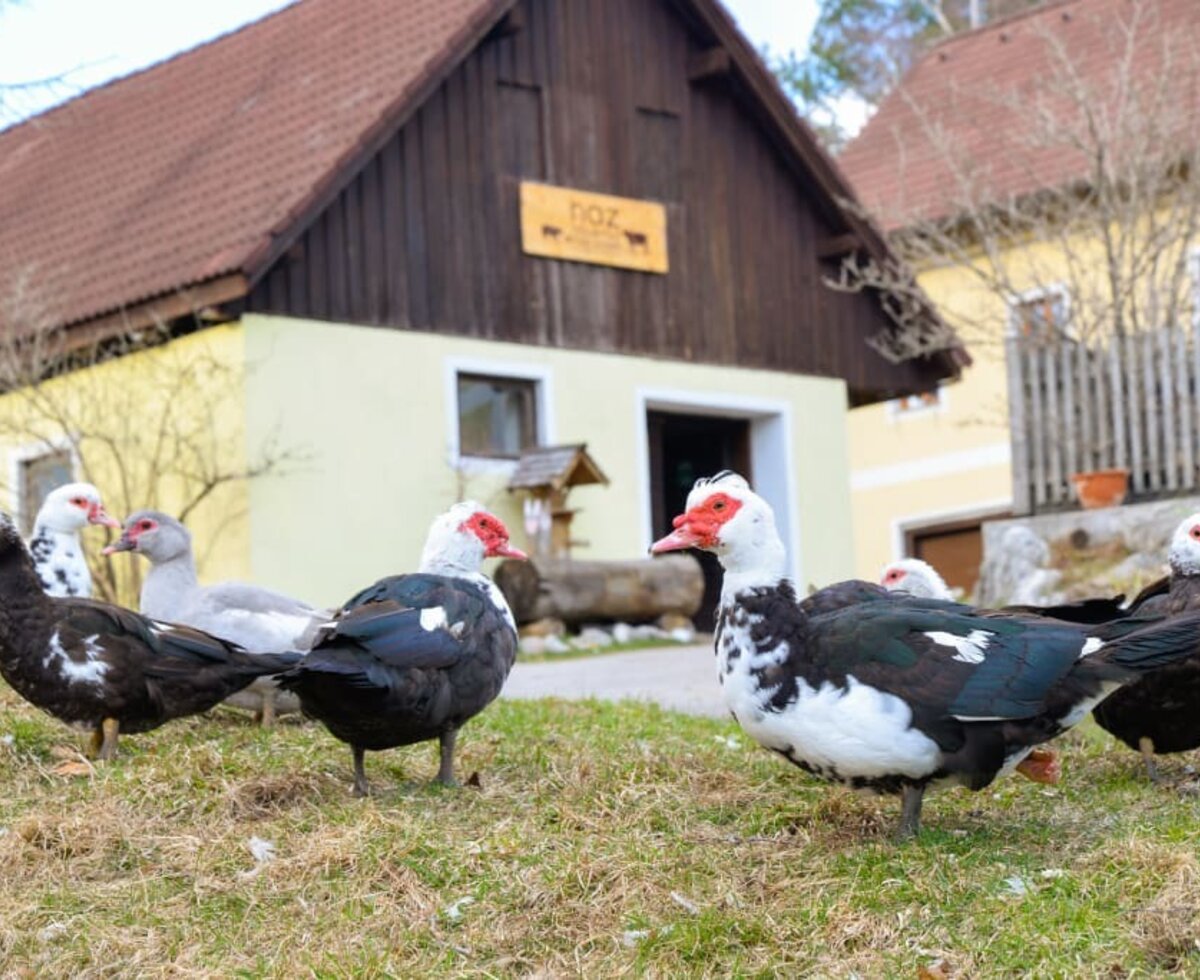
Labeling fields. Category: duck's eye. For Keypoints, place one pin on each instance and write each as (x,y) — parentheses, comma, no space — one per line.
(145,525)
(719,505)
(79,501)
(1195,532)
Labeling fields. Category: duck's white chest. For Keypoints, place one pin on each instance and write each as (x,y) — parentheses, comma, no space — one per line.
(847,733)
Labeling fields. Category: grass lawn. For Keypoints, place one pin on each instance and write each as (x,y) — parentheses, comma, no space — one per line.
(602,841)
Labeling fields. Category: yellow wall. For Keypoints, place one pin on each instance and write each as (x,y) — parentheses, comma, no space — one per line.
(373,408)
(179,409)
(940,464)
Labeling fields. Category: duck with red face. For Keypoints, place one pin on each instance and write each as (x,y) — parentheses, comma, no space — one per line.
(888,692)
(259,620)
(57,553)
(413,657)
(915,577)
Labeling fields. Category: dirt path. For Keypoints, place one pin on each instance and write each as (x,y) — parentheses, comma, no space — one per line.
(680,678)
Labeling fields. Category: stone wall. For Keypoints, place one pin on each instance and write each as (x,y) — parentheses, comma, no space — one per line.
(1071,555)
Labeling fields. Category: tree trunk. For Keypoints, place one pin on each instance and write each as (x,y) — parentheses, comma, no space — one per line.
(585,591)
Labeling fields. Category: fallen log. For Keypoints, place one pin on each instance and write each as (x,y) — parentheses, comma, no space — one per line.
(591,591)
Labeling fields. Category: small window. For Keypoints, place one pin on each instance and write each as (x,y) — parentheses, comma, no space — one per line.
(1042,317)
(39,475)
(497,417)
(923,401)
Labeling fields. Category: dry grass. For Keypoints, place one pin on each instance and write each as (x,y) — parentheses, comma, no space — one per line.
(603,841)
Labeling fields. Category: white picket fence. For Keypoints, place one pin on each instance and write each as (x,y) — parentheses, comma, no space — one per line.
(1124,402)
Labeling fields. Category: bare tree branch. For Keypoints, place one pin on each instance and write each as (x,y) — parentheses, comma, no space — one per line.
(154,438)
(1090,192)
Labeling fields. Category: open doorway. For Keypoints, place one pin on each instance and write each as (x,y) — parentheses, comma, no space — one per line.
(683,448)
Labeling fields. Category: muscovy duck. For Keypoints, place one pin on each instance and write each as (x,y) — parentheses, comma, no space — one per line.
(1160,713)
(413,657)
(915,577)
(57,553)
(887,692)
(108,669)
(256,619)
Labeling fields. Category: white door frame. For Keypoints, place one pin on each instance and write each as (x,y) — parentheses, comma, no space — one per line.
(770,453)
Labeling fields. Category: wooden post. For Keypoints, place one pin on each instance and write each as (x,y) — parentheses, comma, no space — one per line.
(1119,408)
(1150,409)
(1166,387)
(1137,454)
(1069,427)
(1183,398)
(1087,409)
(1055,483)
(1037,423)
(1017,426)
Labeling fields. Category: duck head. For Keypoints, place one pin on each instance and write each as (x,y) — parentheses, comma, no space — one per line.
(461,538)
(1184,553)
(724,516)
(158,536)
(71,507)
(916,578)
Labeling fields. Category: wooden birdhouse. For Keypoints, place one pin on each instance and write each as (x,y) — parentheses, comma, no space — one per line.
(545,476)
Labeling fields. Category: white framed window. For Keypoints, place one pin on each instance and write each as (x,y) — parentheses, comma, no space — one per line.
(36,470)
(497,416)
(922,403)
(1041,314)
(495,411)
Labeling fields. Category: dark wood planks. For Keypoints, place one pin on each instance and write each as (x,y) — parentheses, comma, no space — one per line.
(593,94)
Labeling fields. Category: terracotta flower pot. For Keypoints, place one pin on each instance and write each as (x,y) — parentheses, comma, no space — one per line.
(1101,488)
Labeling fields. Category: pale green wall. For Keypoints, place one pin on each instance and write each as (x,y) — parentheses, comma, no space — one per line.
(372,408)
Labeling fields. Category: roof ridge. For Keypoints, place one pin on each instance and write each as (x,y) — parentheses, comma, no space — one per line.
(153,66)
(973,33)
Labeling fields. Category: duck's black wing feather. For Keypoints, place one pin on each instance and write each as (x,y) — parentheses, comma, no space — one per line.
(404,659)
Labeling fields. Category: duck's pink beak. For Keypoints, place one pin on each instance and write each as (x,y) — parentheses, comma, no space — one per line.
(505,550)
(98,515)
(682,537)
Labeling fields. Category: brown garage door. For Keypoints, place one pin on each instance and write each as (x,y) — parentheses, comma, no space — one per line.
(955,550)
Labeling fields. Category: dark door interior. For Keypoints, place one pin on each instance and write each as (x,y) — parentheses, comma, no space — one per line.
(682,449)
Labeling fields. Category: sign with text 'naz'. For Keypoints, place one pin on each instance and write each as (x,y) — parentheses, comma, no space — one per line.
(561,223)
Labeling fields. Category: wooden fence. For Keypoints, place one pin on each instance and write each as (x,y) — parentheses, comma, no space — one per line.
(1123,402)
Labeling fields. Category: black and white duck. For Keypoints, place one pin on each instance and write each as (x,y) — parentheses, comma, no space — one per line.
(105,668)
(55,546)
(413,657)
(891,693)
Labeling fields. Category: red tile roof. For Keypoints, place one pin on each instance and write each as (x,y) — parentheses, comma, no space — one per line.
(182,172)
(970,100)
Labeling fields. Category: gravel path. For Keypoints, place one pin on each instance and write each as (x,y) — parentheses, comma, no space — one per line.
(679,678)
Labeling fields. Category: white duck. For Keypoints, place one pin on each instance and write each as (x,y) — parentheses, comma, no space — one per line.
(915,577)
(257,619)
(57,553)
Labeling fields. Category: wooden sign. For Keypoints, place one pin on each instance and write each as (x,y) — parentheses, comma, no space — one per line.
(561,223)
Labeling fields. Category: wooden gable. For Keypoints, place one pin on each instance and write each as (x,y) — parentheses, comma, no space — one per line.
(636,98)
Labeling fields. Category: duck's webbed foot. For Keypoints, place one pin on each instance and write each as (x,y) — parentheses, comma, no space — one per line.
(1041,766)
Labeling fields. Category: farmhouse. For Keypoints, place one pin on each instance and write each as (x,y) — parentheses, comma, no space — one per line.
(1061,143)
(396,242)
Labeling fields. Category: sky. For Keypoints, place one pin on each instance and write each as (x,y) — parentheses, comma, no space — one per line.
(82,43)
